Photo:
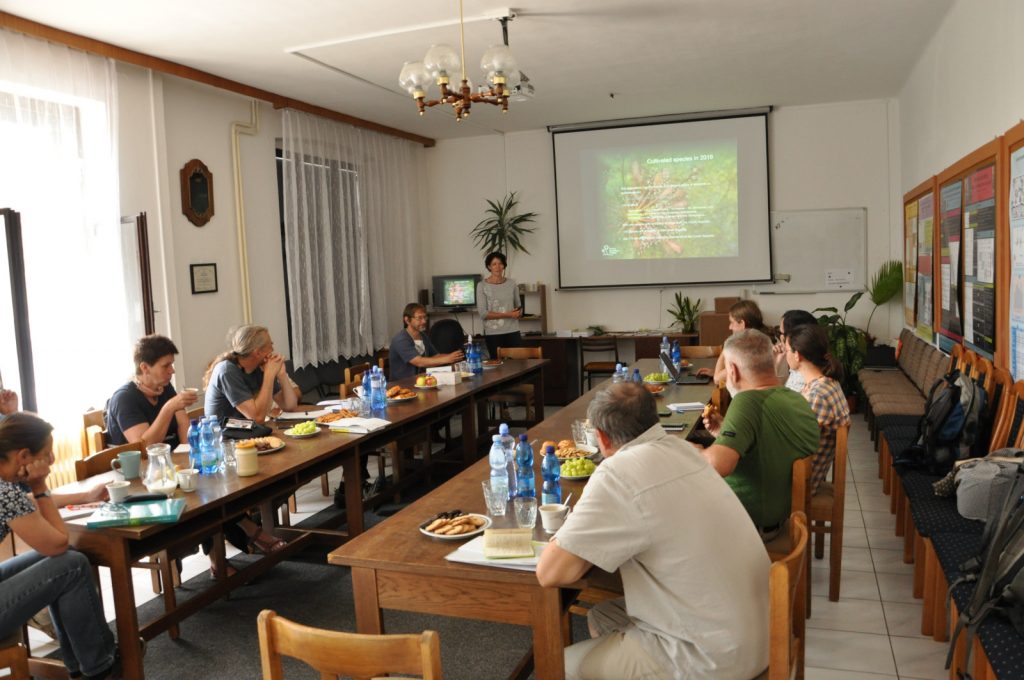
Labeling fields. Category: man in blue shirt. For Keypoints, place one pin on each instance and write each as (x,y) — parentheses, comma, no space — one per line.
(411,348)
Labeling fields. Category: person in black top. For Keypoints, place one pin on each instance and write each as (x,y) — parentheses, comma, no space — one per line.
(147,408)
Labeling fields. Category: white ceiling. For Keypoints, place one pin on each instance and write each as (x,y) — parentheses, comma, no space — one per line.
(656,56)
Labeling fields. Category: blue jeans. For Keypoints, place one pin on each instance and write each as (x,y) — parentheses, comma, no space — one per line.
(64,583)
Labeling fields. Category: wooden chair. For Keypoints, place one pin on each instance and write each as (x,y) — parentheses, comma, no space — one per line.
(356,371)
(590,368)
(826,514)
(196,412)
(335,653)
(94,431)
(163,573)
(956,357)
(519,395)
(14,657)
(782,545)
(700,351)
(786,615)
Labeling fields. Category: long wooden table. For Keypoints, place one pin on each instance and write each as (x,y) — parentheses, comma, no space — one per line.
(396,567)
(220,499)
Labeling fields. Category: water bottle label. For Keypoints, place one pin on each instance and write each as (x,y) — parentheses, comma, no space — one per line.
(549,498)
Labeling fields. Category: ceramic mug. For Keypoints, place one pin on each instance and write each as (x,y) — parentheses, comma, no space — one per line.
(552,516)
(127,463)
(118,491)
(187,479)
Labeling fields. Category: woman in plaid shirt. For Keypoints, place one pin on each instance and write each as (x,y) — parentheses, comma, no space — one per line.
(807,353)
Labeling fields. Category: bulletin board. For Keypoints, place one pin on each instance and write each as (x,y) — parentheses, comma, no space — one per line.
(919,241)
(1011,259)
(949,307)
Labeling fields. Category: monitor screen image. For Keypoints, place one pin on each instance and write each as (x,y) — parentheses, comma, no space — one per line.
(455,290)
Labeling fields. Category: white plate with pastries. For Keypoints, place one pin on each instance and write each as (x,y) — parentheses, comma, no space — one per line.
(479,522)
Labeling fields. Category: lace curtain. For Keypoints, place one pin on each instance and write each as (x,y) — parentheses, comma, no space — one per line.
(351,207)
(59,170)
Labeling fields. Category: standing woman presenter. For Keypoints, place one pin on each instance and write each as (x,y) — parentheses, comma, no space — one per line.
(499,305)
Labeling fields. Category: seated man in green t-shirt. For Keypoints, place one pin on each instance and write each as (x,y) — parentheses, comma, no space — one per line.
(767,427)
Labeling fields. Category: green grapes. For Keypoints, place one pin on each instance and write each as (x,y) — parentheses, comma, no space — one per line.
(578,467)
(657,377)
(308,427)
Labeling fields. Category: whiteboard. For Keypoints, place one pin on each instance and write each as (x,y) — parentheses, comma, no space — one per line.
(818,251)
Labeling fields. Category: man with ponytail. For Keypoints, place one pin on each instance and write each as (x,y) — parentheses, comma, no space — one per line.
(807,353)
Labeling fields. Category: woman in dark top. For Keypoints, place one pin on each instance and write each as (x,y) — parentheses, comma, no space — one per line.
(50,574)
(147,408)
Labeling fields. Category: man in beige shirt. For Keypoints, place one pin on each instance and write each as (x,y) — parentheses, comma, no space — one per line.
(694,570)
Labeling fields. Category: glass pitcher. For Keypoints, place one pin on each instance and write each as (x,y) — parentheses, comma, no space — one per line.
(160,474)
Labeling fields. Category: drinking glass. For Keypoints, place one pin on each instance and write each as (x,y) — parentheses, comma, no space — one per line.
(227,449)
(496,498)
(579,432)
(526,512)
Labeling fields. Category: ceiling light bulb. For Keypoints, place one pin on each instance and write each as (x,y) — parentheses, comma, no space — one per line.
(498,58)
(414,78)
(442,63)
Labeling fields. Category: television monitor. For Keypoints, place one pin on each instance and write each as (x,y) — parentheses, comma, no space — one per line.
(455,292)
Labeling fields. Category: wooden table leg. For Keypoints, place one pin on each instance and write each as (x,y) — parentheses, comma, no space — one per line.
(369,619)
(538,398)
(548,649)
(468,416)
(353,473)
(127,618)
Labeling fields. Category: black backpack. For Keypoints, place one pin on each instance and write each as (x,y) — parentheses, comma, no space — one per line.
(996,571)
(948,430)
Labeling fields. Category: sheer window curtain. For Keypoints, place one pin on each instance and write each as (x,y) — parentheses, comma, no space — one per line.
(352,202)
(58,132)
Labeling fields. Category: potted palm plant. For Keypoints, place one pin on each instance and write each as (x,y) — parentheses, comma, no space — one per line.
(685,313)
(502,230)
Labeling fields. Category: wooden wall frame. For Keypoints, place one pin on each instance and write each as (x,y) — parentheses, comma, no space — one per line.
(925,188)
(197,192)
(990,153)
(1012,140)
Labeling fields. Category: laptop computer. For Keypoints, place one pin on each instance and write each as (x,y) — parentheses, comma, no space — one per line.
(683,377)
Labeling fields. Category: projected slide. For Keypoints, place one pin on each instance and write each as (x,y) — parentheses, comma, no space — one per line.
(670,203)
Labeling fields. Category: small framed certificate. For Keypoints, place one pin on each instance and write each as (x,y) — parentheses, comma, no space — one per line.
(204,278)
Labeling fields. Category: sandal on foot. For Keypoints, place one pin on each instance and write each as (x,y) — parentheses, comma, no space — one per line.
(266,543)
(231,571)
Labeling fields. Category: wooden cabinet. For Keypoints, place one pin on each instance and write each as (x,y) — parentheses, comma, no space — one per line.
(535,306)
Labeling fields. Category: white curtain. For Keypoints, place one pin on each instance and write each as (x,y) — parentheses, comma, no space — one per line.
(59,170)
(351,211)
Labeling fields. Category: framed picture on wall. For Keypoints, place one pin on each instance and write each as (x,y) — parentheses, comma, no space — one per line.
(204,278)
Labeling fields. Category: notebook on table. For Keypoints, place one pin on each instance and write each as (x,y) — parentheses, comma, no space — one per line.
(149,512)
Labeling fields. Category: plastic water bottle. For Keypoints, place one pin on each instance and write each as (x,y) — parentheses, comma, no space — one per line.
(617,375)
(551,471)
(364,403)
(526,483)
(508,442)
(194,459)
(666,351)
(218,442)
(499,465)
(636,376)
(677,355)
(476,366)
(207,453)
(378,398)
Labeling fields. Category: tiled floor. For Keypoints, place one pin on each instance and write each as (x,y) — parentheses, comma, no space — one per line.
(871,633)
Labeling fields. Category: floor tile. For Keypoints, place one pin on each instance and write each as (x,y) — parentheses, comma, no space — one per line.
(890,562)
(919,657)
(859,616)
(869,489)
(885,539)
(852,519)
(833,674)
(853,585)
(875,519)
(855,537)
(903,618)
(896,587)
(843,650)
(857,559)
(876,504)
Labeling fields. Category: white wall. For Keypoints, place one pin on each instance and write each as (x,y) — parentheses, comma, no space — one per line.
(965,89)
(165,122)
(827,156)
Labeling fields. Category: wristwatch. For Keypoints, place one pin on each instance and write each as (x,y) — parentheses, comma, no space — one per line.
(45,494)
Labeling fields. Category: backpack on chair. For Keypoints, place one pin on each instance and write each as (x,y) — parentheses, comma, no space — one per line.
(948,430)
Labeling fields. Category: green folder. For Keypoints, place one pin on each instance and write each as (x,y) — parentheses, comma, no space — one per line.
(148,512)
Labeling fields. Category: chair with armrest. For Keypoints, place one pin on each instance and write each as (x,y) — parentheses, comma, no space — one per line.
(825,514)
(591,368)
(162,568)
(334,653)
(518,395)
(94,431)
(786,616)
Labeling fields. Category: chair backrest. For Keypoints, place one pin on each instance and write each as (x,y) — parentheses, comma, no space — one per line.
(967,360)
(94,431)
(787,606)
(355,369)
(700,351)
(598,344)
(956,355)
(520,353)
(447,335)
(335,653)
(800,491)
(720,398)
(1001,403)
(99,463)
(197,411)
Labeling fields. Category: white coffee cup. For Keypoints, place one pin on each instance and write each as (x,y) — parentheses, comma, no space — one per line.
(118,491)
(248,462)
(187,479)
(552,516)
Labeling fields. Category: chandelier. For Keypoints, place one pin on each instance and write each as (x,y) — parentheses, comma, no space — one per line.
(441,62)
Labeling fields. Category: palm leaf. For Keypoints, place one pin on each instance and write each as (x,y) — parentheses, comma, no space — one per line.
(887,282)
